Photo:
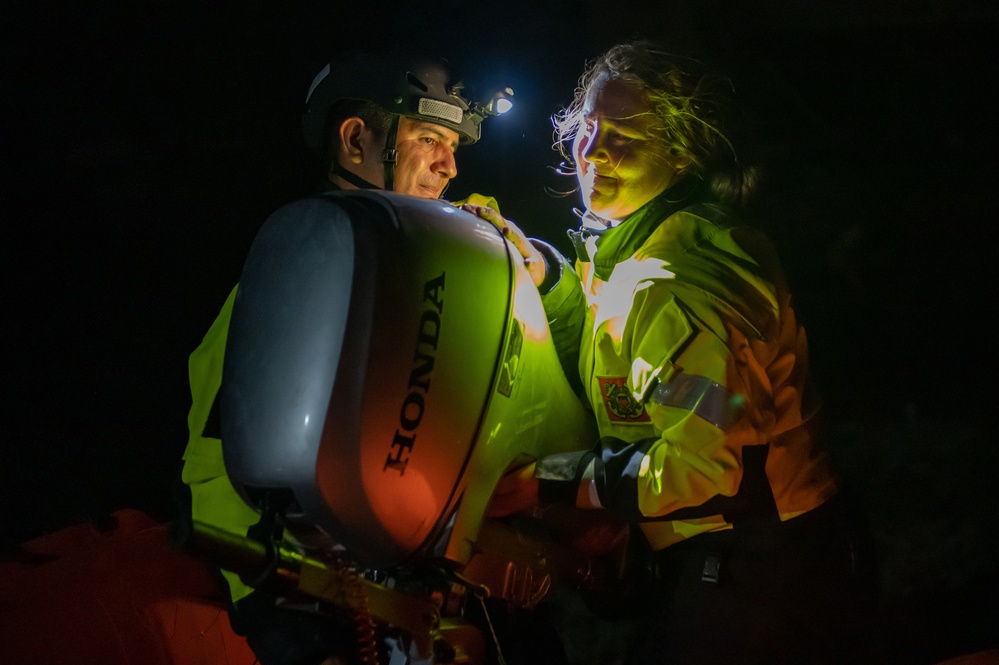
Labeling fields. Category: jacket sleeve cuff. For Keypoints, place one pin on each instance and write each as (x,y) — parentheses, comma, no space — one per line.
(559,476)
(555,264)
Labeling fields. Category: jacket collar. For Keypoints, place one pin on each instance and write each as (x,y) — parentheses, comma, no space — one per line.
(617,243)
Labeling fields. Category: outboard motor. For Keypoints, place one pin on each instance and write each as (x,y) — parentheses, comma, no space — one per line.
(388,360)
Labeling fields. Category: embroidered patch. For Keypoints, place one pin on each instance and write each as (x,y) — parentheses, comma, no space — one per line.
(622,407)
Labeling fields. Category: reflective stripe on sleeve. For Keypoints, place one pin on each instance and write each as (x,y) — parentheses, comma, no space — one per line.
(700,395)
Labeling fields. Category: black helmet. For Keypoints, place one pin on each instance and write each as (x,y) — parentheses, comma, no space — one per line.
(416,87)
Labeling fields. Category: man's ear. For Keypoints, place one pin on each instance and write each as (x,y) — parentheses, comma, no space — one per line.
(352,139)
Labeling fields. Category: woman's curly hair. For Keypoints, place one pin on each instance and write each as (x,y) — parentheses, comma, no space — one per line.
(693,106)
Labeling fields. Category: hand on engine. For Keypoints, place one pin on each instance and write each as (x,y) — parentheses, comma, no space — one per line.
(533,260)
(516,492)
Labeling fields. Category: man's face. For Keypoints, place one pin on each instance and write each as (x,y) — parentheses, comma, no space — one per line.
(426,158)
(620,163)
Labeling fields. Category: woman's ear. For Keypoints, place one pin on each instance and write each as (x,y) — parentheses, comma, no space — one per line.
(678,159)
(351,137)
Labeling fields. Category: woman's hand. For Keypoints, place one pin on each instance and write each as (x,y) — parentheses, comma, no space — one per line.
(533,261)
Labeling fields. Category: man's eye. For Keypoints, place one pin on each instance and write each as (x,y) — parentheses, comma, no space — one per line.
(429,140)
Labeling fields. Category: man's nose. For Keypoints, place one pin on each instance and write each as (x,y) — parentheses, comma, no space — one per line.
(445,166)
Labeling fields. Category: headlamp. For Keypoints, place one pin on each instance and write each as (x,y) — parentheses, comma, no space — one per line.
(498,104)
(501,102)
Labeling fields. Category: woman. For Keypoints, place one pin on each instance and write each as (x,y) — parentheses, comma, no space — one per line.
(695,367)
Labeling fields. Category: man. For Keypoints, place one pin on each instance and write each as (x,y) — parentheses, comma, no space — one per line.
(389,122)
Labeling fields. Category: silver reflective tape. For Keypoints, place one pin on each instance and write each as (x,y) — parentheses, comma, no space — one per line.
(700,395)
(435,108)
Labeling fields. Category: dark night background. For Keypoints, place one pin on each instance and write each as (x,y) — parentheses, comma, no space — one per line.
(144,143)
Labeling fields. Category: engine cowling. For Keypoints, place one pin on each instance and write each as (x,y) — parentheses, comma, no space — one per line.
(387,360)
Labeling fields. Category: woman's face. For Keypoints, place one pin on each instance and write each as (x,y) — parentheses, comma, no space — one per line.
(620,163)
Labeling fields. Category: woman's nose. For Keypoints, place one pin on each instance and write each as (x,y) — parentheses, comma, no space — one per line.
(593,148)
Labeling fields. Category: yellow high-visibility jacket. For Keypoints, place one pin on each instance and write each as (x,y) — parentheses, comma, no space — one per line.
(214,500)
(695,366)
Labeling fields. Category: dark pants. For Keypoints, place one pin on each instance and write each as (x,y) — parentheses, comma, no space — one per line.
(284,636)
(804,591)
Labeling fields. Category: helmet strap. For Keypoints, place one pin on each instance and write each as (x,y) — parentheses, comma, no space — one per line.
(390,156)
(351,177)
